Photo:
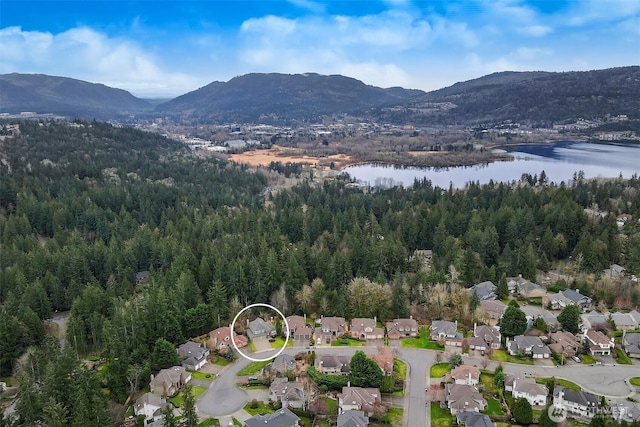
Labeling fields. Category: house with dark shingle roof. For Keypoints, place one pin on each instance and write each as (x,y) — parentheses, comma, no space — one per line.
(527,345)
(484,290)
(260,328)
(353,418)
(631,344)
(365,329)
(462,397)
(599,343)
(536,394)
(290,393)
(442,330)
(150,405)
(358,398)
(281,418)
(330,329)
(576,403)
(473,419)
(192,355)
(333,365)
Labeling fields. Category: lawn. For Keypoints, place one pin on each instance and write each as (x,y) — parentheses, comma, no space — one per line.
(421,341)
(262,408)
(503,356)
(209,422)
(347,341)
(393,417)
(588,359)
(487,382)
(635,381)
(564,383)
(253,368)
(622,358)
(178,400)
(439,369)
(440,417)
(400,369)
(493,407)
(252,346)
(278,343)
(201,376)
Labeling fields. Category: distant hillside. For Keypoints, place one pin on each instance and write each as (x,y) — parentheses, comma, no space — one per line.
(536,97)
(61,95)
(283,98)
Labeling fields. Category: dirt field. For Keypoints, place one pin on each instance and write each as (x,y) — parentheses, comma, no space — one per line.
(264,157)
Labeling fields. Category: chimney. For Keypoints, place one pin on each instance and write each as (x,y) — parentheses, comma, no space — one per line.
(375,319)
(152,377)
(411,316)
(475,325)
(348,383)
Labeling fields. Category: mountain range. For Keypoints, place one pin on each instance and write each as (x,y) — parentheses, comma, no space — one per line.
(536,97)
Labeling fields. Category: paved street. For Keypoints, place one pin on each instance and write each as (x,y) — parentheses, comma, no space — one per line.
(224,398)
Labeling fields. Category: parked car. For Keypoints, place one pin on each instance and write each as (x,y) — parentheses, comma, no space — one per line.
(576,359)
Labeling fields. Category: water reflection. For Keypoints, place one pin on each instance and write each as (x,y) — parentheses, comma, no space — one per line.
(560,161)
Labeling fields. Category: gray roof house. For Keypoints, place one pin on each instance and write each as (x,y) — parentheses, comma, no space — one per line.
(291,394)
(353,418)
(624,321)
(260,328)
(583,301)
(473,419)
(150,405)
(192,355)
(358,398)
(402,328)
(576,403)
(631,343)
(592,319)
(485,290)
(462,397)
(281,418)
(280,365)
(531,346)
(447,331)
(489,334)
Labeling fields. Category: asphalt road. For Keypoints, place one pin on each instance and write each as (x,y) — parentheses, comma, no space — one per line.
(224,398)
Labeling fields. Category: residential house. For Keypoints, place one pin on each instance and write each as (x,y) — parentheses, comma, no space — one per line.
(402,328)
(299,330)
(490,335)
(442,330)
(290,393)
(220,339)
(625,410)
(491,311)
(527,345)
(524,288)
(169,381)
(533,312)
(576,403)
(330,328)
(353,418)
(624,321)
(359,399)
(365,329)
(536,394)
(463,397)
(384,359)
(333,365)
(192,355)
(623,219)
(631,344)
(280,365)
(564,343)
(599,343)
(281,418)
(510,379)
(150,405)
(466,374)
(484,290)
(592,320)
(615,271)
(473,419)
(260,328)
(567,297)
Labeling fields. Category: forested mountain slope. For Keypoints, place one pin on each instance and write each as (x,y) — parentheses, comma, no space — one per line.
(84,206)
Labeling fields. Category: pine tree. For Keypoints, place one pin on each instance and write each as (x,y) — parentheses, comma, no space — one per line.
(189,410)
(503,288)
(522,411)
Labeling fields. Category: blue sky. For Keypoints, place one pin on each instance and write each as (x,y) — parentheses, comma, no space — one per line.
(167,48)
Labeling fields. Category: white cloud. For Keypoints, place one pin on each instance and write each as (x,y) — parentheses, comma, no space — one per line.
(529,53)
(309,5)
(86,54)
(536,30)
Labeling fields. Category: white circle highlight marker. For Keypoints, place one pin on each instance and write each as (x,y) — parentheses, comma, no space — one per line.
(286,324)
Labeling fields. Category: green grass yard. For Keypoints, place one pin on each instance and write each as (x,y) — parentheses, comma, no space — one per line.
(502,356)
(439,370)
(440,417)
(400,369)
(347,341)
(392,418)
(493,407)
(421,341)
(178,400)
(209,422)
(253,368)
(588,359)
(262,408)
(564,383)
(622,358)
(279,343)
(635,381)
(201,376)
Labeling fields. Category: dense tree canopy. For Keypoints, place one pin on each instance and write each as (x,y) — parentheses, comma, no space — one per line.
(85,206)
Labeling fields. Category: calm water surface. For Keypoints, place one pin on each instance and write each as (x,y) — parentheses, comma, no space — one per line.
(559,160)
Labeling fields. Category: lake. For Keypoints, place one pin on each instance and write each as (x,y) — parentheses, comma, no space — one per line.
(559,160)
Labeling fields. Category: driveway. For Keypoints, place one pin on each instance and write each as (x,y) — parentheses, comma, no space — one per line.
(261,344)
